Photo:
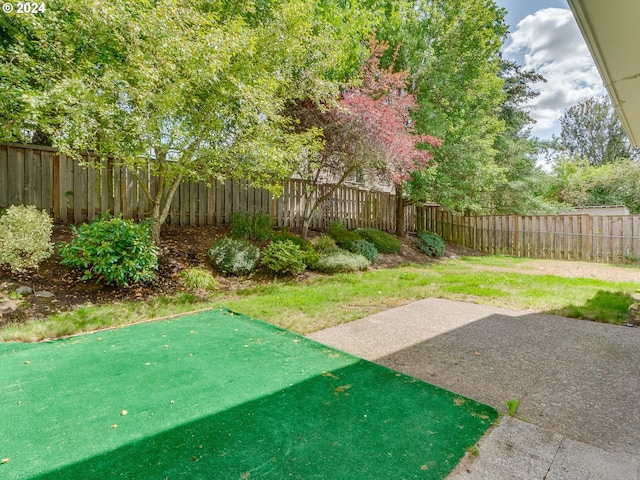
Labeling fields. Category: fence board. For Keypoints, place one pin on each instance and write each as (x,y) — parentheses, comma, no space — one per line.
(46,179)
(4,177)
(29,188)
(613,239)
(15,176)
(58,184)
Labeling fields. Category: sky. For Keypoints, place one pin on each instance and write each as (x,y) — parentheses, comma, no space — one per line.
(544,36)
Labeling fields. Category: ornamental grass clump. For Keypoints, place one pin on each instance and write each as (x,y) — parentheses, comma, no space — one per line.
(113,250)
(196,278)
(234,257)
(25,237)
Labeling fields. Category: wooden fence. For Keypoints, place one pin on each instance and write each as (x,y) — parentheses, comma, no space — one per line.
(74,193)
(607,238)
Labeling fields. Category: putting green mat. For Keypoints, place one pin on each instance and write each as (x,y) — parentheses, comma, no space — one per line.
(219,395)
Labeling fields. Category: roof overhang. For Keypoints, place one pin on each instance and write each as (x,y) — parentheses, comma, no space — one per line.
(613,36)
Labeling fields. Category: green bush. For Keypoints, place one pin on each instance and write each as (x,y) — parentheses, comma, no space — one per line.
(251,226)
(324,243)
(198,279)
(384,242)
(284,257)
(25,237)
(366,249)
(113,250)
(343,237)
(311,259)
(234,257)
(342,261)
(431,244)
(299,241)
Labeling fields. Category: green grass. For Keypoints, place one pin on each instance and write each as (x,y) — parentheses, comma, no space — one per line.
(330,300)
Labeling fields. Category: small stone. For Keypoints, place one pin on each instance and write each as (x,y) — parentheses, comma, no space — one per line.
(24,290)
(44,294)
(633,306)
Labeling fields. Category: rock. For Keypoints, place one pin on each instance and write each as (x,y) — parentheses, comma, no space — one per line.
(24,290)
(44,294)
(452,257)
(8,305)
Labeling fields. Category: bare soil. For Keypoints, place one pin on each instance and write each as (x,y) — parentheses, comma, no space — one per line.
(571,269)
(181,248)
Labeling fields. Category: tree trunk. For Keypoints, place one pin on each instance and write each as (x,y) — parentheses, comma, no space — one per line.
(307,213)
(161,207)
(399,211)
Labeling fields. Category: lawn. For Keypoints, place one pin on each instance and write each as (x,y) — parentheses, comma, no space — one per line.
(324,301)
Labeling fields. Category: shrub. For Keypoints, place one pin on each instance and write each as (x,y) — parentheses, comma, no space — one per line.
(310,254)
(25,237)
(234,257)
(299,241)
(311,259)
(324,243)
(431,244)
(342,261)
(366,249)
(343,237)
(284,257)
(198,279)
(251,226)
(113,250)
(384,242)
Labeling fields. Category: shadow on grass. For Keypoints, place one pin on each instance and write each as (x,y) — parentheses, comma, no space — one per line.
(605,307)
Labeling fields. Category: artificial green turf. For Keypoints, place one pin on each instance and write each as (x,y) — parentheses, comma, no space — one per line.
(219,395)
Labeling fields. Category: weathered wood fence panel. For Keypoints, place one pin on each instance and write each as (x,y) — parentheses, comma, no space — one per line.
(610,238)
(74,192)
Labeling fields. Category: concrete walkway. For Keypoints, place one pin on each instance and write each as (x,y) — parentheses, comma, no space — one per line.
(579,383)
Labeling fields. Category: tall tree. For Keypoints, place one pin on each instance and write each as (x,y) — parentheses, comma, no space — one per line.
(523,188)
(451,48)
(370,131)
(182,89)
(592,130)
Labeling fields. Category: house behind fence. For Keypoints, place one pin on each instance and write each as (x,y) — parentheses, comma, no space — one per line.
(75,193)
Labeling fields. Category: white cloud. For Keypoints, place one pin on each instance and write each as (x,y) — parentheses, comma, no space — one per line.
(550,42)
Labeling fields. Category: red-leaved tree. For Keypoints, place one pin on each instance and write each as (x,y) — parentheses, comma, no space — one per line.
(369,131)
(382,109)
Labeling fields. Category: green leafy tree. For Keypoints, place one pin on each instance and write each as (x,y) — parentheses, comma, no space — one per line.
(179,89)
(523,188)
(370,131)
(577,183)
(592,130)
(451,48)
